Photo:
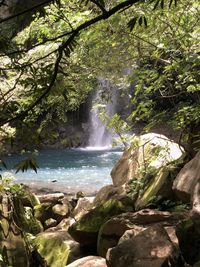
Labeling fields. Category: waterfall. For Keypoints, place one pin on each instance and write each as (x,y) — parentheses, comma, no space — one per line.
(99,135)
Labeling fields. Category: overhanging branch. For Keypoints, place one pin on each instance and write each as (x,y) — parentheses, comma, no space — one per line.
(65,45)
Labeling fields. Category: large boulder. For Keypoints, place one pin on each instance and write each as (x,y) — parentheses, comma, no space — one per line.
(187,179)
(89,261)
(57,248)
(151,247)
(112,230)
(52,249)
(151,152)
(160,185)
(86,229)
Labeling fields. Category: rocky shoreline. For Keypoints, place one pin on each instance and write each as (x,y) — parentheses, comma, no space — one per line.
(146,217)
(52,188)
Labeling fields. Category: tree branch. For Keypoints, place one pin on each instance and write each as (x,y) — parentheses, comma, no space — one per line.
(61,49)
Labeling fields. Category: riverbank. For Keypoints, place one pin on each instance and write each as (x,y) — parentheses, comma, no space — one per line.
(40,188)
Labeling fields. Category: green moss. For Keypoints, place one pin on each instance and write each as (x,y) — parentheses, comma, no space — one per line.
(92,221)
(28,198)
(53,250)
(24,218)
(32,225)
(43,211)
(152,189)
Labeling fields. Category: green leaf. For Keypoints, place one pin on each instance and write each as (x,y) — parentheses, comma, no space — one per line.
(156,5)
(3,164)
(145,21)
(140,21)
(132,22)
(162,4)
(26,164)
(170,3)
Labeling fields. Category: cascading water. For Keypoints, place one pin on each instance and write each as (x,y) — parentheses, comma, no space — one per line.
(99,135)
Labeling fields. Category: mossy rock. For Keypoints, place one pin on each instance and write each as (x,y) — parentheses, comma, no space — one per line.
(24,218)
(155,187)
(32,225)
(43,212)
(28,198)
(52,249)
(85,231)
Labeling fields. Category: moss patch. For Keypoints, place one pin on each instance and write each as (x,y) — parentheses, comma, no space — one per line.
(86,229)
(53,250)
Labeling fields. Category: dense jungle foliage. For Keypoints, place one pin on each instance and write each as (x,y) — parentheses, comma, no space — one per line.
(49,65)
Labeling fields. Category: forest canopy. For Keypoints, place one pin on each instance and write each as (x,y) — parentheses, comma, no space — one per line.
(51,63)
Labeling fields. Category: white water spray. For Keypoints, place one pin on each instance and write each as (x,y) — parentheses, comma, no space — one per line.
(99,135)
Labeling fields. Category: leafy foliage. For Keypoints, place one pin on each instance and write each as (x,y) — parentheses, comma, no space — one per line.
(24,165)
(51,66)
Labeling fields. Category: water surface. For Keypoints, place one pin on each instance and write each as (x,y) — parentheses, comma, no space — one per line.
(68,170)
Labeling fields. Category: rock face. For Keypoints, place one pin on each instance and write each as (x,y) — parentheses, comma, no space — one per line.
(83,206)
(159,185)
(187,179)
(112,230)
(52,248)
(63,209)
(90,261)
(152,150)
(151,247)
(85,230)
(107,192)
